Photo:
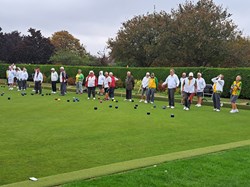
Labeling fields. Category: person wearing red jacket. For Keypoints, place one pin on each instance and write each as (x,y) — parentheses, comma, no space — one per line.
(91,83)
(112,85)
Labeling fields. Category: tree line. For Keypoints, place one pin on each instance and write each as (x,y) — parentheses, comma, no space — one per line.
(194,34)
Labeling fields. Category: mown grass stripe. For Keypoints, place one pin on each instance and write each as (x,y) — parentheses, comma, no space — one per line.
(125,166)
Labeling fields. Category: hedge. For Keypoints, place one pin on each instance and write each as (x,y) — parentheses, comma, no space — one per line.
(161,73)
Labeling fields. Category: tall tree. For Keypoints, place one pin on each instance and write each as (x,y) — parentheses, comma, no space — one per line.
(195,34)
(64,41)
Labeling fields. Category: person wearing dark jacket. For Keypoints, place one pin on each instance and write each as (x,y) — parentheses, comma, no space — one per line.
(129,82)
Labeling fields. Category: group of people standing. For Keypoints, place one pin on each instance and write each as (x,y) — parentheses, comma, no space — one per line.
(106,83)
(189,87)
(18,76)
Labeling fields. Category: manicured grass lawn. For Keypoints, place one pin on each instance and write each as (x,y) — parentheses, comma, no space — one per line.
(41,136)
(229,168)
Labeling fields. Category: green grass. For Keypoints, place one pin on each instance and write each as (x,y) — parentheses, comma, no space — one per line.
(42,137)
(229,168)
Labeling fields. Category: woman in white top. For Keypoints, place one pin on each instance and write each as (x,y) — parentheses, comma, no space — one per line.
(189,88)
(201,84)
(54,79)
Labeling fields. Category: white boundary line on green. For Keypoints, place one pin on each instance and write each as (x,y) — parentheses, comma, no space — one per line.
(124,166)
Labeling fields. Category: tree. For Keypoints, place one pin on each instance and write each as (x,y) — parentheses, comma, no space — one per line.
(64,41)
(136,41)
(68,49)
(192,35)
(34,48)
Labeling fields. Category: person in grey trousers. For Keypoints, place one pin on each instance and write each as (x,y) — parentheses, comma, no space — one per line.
(217,90)
(63,81)
(129,83)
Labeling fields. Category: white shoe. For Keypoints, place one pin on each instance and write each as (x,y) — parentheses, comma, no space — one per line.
(172,107)
(233,111)
(145,102)
(168,106)
(152,102)
(198,105)
(130,100)
(94,98)
(187,109)
(184,108)
(236,110)
(125,99)
(141,100)
(217,110)
(88,97)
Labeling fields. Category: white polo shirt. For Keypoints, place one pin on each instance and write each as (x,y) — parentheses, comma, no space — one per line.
(172,81)
(189,85)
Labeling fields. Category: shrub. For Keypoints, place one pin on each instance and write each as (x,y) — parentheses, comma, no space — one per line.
(71,81)
(119,84)
(160,88)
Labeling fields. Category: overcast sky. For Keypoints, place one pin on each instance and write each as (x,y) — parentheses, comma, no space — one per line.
(94,21)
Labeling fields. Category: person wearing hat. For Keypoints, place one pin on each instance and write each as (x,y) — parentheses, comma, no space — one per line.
(101,79)
(152,85)
(189,88)
(63,81)
(201,84)
(38,79)
(172,82)
(144,86)
(217,90)
(91,83)
(183,76)
(54,79)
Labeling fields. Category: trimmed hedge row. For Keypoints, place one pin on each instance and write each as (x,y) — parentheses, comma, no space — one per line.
(161,73)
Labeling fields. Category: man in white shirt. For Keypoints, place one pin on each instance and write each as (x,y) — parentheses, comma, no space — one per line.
(144,86)
(189,87)
(217,90)
(38,79)
(24,77)
(54,79)
(10,76)
(201,84)
(172,82)
(19,78)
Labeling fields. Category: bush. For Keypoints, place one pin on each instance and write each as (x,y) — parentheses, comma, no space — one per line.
(71,81)
(160,88)
(119,84)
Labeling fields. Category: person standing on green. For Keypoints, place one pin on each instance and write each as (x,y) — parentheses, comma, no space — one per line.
(152,86)
(235,92)
(79,81)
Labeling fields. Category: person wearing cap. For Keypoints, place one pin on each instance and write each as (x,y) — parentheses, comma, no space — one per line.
(144,87)
(54,79)
(129,84)
(63,81)
(101,79)
(38,79)
(152,85)
(201,84)
(172,82)
(189,87)
(24,77)
(217,90)
(10,76)
(79,81)
(91,83)
(112,86)
(183,76)
(235,92)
